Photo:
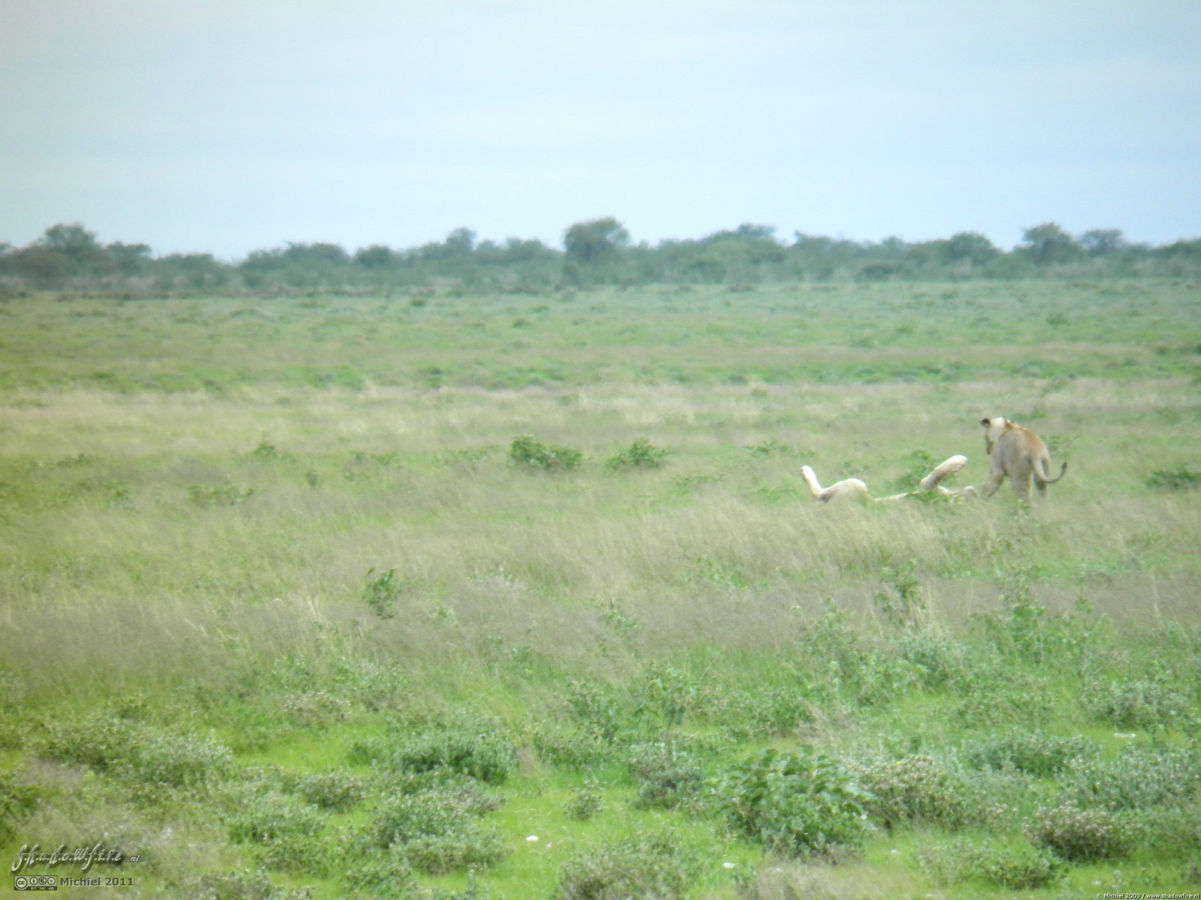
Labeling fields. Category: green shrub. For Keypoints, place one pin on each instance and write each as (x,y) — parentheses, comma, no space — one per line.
(381,592)
(666,777)
(241,886)
(997,698)
(436,832)
(474,749)
(382,875)
(1018,868)
(308,853)
(335,790)
(585,803)
(1172,831)
(916,788)
(572,746)
(794,803)
(1142,703)
(139,753)
(1179,479)
(219,495)
(16,802)
(1079,835)
(1033,753)
(261,814)
(641,454)
(1139,778)
(934,659)
(652,866)
(904,606)
(529,453)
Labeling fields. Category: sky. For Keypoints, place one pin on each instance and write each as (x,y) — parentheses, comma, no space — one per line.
(228,127)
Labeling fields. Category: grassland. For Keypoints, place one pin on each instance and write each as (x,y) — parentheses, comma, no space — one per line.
(341,596)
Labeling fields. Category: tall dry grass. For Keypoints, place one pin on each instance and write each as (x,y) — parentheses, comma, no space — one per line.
(154,534)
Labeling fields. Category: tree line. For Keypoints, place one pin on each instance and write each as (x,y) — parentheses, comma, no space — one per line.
(595,252)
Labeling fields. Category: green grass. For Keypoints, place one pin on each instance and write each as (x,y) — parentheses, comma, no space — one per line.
(282,576)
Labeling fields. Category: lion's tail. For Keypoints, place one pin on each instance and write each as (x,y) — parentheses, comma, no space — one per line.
(1047,479)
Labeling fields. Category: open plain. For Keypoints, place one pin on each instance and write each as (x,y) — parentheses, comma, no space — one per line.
(523,595)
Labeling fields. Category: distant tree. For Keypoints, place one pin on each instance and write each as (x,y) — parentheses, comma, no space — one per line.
(594,251)
(319,254)
(377,256)
(190,271)
(1047,244)
(971,247)
(129,259)
(70,250)
(1103,241)
(461,240)
(595,240)
(71,240)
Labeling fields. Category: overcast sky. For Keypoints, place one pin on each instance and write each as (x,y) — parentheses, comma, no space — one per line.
(226,127)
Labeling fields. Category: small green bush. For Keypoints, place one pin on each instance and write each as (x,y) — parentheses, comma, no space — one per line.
(904,606)
(795,804)
(641,454)
(1018,868)
(667,777)
(1179,479)
(1142,703)
(335,790)
(1033,753)
(1079,835)
(16,802)
(653,866)
(139,753)
(1137,779)
(585,803)
(474,749)
(261,814)
(917,788)
(219,495)
(529,453)
(382,875)
(436,832)
(380,593)
(241,886)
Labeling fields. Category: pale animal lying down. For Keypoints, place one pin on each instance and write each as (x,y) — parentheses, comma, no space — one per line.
(855,489)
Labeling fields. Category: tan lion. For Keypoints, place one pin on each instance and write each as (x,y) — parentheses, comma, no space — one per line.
(1018,454)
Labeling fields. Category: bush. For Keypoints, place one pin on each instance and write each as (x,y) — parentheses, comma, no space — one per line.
(1181,479)
(1143,703)
(16,802)
(1017,868)
(655,866)
(794,803)
(529,453)
(1139,778)
(1033,754)
(474,750)
(667,778)
(241,886)
(334,790)
(263,816)
(641,454)
(1079,835)
(382,876)
(585,802)
(380,593)
(139,753)
(436,832)
(918,789)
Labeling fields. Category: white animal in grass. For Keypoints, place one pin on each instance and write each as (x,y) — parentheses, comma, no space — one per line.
(856,489)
